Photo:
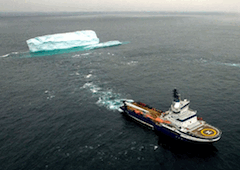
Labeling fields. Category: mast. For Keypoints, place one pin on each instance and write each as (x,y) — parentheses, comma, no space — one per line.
(176,96)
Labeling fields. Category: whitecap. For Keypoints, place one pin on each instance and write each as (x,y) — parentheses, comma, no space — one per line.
(132,63)
(88,76)
(87,85)
(77,55)
(141,148)
(85,54)
(155,147)
(94,90)
(232,64)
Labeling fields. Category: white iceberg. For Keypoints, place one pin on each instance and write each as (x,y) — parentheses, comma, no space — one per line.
(63,41)
(86,40)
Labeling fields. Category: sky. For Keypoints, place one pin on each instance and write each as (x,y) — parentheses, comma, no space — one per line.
(119,5)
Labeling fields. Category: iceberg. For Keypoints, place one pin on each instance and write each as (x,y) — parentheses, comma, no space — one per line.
(86,40)
(63,41)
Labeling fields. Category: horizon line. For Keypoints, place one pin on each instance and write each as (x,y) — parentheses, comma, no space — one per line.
(143,11)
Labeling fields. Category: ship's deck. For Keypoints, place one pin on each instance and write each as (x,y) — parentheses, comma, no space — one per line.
(206,131)
(152,112)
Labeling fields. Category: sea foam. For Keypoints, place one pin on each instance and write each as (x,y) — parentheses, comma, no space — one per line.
(106,98)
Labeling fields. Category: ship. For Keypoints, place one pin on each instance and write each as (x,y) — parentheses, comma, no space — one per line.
(179,122)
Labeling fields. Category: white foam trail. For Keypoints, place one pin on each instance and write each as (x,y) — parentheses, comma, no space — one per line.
(132,63)
(232,64)
(12,53)
(86,54)
(6,55)
(77,55)
(219,63)
(106,98)
(93,88)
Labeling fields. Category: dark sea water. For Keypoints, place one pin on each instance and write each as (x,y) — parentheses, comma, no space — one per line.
(60,111)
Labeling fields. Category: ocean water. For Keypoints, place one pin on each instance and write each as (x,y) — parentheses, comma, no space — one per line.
(59,111)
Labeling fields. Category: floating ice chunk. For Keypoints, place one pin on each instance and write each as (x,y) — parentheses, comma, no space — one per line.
(103,45)
(63,41)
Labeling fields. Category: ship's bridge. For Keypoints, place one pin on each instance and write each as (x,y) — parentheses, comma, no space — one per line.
(180,106)
(183,116)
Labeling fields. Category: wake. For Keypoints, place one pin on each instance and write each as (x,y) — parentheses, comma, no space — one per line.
(106,98)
